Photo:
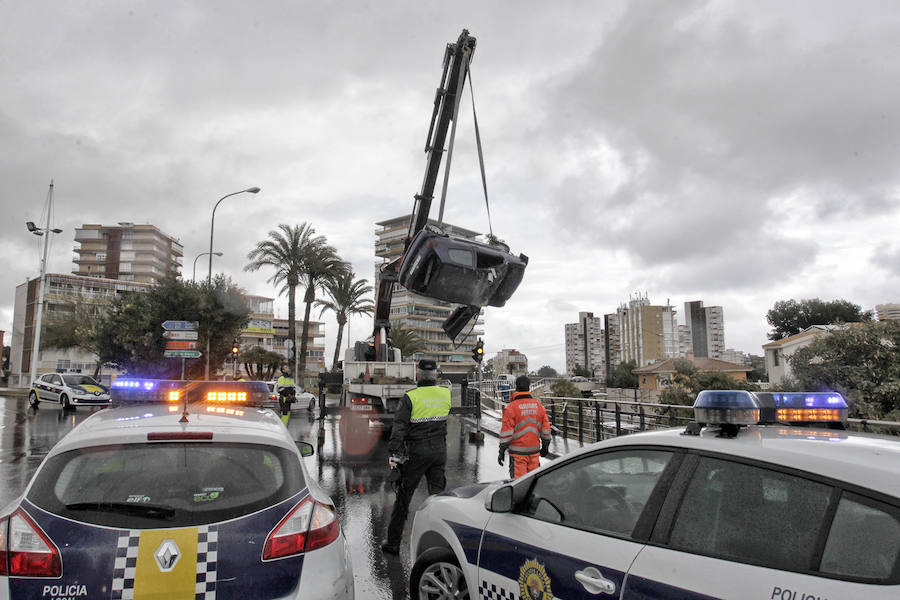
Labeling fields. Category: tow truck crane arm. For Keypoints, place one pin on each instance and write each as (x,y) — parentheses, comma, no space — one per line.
(436,264)
(457,57)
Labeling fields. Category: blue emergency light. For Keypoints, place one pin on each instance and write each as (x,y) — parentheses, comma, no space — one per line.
(726,407)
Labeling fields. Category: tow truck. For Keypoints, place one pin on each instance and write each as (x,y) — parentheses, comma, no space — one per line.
(433,264)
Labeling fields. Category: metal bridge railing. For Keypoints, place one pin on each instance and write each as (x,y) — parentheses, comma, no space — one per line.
(593,419)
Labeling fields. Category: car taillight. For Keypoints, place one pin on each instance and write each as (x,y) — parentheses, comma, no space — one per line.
(355,400)
(310,525)
(29,552)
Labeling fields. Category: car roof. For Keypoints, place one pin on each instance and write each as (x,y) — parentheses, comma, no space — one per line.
(867,460)
(131,424)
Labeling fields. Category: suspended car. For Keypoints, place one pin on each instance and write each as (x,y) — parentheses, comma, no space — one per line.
(461,271)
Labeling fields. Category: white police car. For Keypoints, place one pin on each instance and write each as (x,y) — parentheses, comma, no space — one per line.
(156,497)
(736,509)
(68,390)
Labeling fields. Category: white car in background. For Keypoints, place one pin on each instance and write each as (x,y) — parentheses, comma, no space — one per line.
(68,390)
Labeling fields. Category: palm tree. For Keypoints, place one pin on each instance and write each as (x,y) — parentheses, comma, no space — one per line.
(298,256)
(346,299)
(406,340)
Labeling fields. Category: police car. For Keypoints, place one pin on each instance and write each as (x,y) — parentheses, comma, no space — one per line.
(68,389)
(178,490)
(748,502)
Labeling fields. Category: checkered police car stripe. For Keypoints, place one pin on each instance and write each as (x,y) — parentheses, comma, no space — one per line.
(126,563)
(491,592)
(207,556)
(124,567)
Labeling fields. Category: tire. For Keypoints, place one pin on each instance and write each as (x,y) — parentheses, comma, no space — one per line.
(436,570)
(66,403)
(33,399)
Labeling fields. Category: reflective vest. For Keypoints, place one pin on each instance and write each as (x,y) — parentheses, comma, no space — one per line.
(283,382)
(525,424)
(429,403)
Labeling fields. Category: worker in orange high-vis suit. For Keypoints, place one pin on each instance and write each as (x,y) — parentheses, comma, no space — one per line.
(525,432)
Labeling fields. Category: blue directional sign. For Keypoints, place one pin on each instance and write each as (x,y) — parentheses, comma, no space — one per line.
(180,325)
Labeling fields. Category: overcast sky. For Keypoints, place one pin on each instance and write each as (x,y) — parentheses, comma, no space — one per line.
(732,152)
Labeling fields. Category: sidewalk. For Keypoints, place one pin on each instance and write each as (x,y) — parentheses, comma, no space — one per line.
(13,391)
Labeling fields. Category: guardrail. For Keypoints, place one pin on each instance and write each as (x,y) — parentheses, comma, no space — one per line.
(593,419)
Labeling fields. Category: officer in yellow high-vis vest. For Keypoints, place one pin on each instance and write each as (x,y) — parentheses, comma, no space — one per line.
(287,393)
(420,436)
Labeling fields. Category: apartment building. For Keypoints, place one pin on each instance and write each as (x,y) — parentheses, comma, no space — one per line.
(511,362)
(586,346)
(270,333)
(126,252)
(422,315)
(648,333)
(60,291)
(706,325)
(886,312)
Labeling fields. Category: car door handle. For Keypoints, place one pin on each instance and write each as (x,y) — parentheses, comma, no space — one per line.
(594,581)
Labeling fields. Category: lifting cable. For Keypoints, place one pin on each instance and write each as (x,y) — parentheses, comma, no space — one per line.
(477,142)
(480,155)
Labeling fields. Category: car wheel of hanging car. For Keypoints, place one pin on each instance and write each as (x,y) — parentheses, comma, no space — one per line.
(33,399)
(66,403)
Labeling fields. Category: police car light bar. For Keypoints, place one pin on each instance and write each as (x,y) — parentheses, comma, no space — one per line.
(731,409)
(162,391)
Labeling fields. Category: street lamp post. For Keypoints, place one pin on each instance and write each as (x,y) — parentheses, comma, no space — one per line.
(36,345)
(212,225)
(194,278)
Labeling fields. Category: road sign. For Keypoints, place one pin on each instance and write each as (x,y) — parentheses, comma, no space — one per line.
(180,335)
(180,325)
(182,354)
(181,345)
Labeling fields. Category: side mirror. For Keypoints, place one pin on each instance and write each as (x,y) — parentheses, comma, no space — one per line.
(305,448)
(500,500)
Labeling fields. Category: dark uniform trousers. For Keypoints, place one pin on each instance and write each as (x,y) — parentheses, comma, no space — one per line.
(426,457)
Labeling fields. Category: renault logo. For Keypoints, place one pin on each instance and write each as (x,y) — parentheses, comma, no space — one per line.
(167,555)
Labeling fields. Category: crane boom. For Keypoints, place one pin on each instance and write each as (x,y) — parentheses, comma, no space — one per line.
(457,57)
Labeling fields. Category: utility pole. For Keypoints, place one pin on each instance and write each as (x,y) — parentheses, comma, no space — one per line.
(46,231)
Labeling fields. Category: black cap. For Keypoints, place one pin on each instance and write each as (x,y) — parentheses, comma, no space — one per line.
(523,384)
(426,364)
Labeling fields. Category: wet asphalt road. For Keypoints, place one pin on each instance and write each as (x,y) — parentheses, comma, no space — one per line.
(351,466)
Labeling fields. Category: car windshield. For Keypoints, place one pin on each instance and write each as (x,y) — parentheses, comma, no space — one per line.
(166,484)
(78,380)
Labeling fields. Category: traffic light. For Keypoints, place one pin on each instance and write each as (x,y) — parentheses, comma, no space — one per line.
(478,352)
(235,348)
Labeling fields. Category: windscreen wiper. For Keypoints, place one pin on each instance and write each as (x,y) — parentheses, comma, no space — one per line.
(152,511)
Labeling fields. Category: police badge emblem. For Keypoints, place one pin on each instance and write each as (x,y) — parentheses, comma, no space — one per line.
(533,581)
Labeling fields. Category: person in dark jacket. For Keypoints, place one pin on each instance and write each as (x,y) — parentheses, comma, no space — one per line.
(525,431)
(418,446)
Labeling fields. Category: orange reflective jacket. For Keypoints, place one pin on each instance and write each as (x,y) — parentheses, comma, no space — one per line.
(525,424)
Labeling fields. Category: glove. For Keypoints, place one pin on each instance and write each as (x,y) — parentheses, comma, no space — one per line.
(501,457)
(545,448)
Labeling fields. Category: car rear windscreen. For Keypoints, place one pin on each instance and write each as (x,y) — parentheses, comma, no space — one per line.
(170,484)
